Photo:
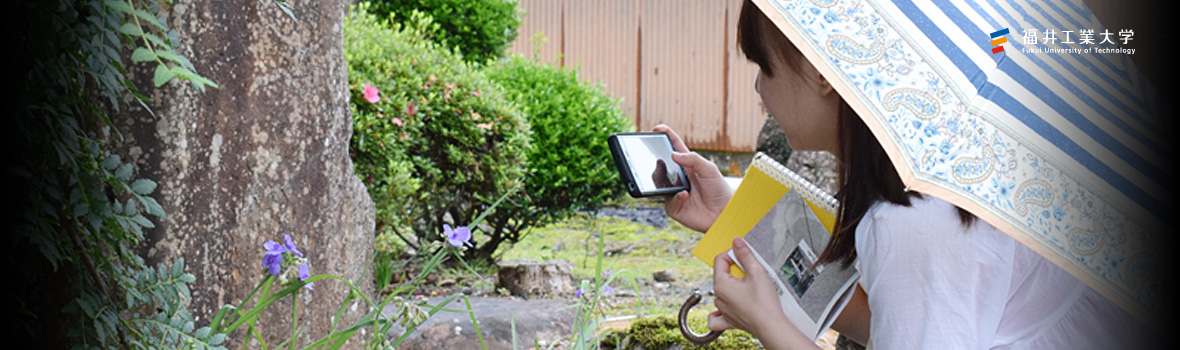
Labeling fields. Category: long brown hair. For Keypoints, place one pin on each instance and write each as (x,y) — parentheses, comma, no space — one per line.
(866,175)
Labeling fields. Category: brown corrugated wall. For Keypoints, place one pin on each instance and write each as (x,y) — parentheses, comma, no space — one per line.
(671,61)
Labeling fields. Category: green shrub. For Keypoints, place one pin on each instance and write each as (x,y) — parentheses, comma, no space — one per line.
(480,29)
(441,136)
(570,165)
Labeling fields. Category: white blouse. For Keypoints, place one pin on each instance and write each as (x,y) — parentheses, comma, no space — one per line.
(933,284)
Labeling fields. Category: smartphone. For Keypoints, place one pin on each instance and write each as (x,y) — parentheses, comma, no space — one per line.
(644,160)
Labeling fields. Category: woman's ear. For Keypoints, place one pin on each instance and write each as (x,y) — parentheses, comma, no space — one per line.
(822,85)
(825,88)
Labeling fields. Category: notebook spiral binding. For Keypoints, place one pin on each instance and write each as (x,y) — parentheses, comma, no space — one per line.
(808,190)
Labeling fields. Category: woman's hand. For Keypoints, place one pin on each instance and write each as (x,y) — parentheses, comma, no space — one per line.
(750,303)
(698,207)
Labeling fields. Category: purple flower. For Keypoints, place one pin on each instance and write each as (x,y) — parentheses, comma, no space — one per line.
(274,257)
(303,275)
(458,237)
(607,274)
(579,293)
(607,289)
(291,245)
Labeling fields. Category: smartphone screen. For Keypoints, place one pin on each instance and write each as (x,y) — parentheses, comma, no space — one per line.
(645,164)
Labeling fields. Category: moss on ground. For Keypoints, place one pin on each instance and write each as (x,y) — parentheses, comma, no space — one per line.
(662,332)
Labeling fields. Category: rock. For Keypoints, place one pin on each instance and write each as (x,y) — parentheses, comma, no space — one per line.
(666,275)
(818,167)
(264,154)
(773,142)
(527,278)
(542,320)
(843,343)
(640,214)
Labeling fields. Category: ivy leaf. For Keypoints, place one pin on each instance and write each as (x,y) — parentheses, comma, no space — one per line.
(142,55)
(143,186)
(163,75)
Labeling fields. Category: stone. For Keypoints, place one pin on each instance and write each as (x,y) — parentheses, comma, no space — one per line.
(526,278)
(818,167)
(262,155)
(666,275)
(773,142)
(541,320)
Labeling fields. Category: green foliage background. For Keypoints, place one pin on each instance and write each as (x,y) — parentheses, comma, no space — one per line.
(481,29)
(441,140)
(570,165)
(565,166)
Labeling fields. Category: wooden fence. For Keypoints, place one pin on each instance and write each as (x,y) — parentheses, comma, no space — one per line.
(671,61)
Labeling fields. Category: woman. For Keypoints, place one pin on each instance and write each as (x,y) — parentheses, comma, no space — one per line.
(933,276)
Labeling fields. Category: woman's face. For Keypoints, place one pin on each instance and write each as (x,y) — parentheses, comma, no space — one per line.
(803,103)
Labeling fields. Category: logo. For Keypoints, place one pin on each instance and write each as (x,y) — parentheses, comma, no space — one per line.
(998,39)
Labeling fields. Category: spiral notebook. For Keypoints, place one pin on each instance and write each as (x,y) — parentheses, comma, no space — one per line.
(787,221)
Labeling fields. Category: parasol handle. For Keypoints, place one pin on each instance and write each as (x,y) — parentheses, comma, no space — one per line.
(698,339)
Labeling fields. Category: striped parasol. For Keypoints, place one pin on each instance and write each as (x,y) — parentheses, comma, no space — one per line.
(1030,115)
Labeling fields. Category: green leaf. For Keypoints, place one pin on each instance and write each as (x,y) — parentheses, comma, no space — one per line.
(143,186)
(217,339)
(152,207)
(172,56)
(183,73)
(155,40)
(147,16)
(197,80)
(130,29)
(111,162)
(142,55)
(124,172)
(121,6)
(130,208)
(163,75)
(202,333)
(178,268)
(142,221)
(101,331)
